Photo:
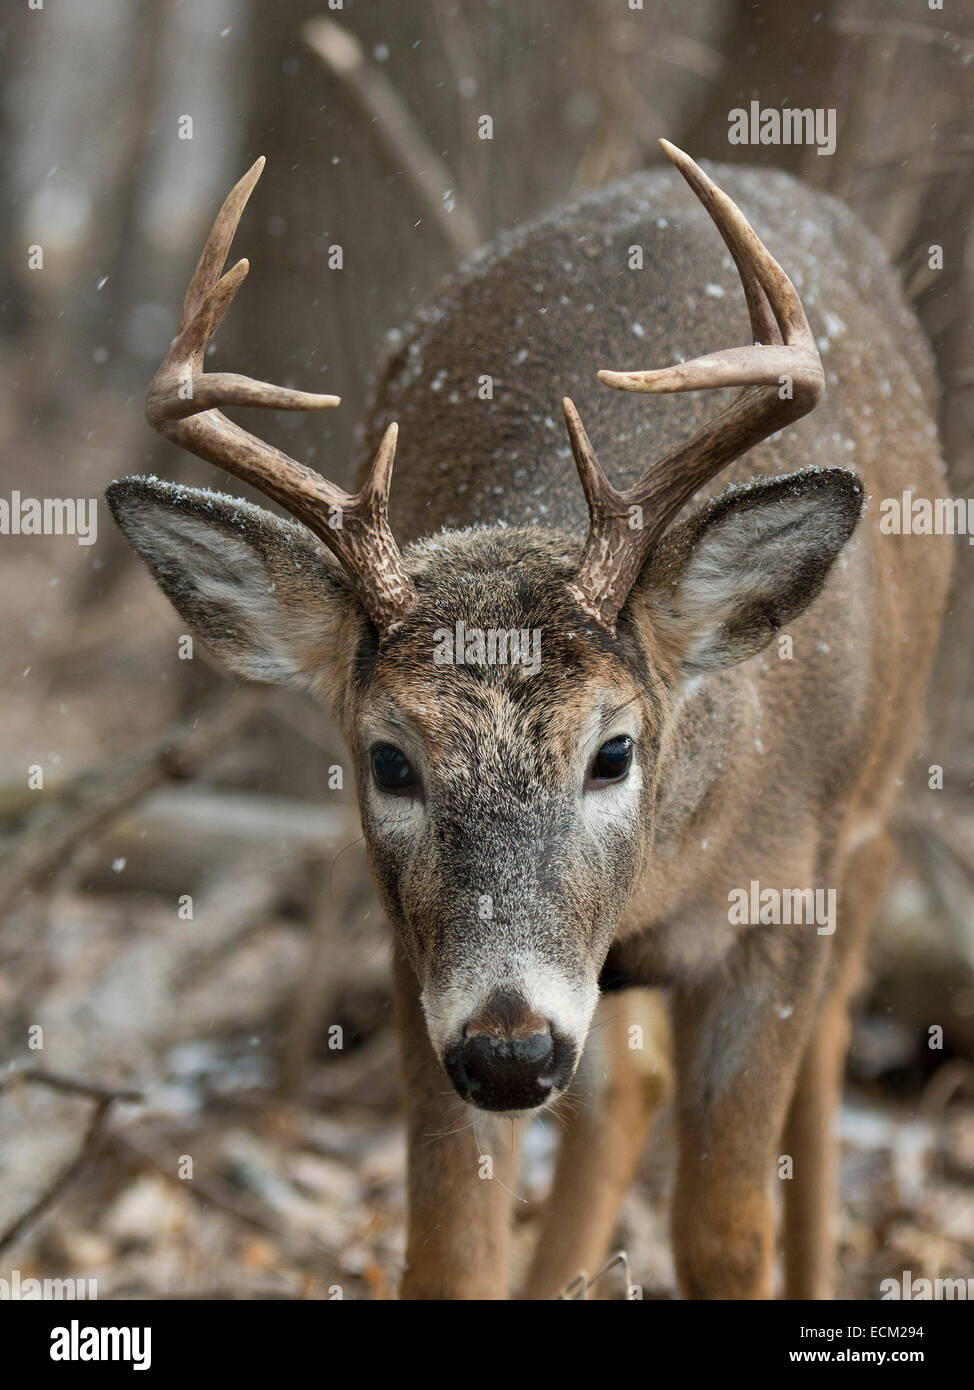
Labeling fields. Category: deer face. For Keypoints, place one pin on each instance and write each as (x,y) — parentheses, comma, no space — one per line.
(505,778)
(504,751)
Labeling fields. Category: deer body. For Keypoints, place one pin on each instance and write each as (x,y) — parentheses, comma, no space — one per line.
(543,836)
(782,772)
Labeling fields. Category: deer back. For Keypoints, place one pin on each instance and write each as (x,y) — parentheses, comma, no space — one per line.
(540,310)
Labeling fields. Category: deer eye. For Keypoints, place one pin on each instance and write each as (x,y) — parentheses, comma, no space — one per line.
(613,760)
(391,769)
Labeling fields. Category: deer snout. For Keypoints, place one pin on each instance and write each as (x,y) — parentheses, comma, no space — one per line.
(509,1058)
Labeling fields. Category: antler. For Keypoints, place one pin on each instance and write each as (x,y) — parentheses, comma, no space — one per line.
(782,378)
(183,403)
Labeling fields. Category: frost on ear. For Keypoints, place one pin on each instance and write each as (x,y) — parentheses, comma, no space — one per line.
(724,582)
(262,592)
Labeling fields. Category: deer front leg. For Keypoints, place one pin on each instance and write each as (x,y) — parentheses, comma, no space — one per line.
(812,1197)
(461,1165)
(739,1040)
(623,1079)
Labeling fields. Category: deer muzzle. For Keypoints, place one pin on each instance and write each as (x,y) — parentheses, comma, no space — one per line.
(509,1058)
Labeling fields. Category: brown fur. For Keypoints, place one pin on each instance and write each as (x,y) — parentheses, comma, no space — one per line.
(752,767)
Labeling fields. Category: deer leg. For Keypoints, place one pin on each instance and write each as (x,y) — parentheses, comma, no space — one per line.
(623,1078)
(461,1165)
(740,1035)
(812,1195)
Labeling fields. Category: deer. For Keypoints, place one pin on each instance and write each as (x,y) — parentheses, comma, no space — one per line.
(732,673)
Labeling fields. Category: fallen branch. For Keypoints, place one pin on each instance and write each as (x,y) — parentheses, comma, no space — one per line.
(68,1085)
(104,1098)
(96,798)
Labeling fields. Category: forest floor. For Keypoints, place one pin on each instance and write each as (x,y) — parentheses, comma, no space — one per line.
(215,1188)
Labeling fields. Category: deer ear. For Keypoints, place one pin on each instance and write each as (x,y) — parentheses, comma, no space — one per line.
(720,585)
(262,592)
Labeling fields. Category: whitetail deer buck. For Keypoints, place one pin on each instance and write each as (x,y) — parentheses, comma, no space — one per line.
(541,837)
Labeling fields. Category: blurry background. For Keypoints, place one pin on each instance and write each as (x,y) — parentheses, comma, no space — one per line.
(186,910)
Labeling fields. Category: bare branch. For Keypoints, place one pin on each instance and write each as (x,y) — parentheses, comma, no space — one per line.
(405,143)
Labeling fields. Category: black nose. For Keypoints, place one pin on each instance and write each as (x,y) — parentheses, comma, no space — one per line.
(507,1067)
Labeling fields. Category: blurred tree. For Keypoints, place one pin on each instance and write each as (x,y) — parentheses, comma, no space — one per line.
(573,96)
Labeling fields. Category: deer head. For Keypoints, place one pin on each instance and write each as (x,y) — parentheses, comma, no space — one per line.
(509,806)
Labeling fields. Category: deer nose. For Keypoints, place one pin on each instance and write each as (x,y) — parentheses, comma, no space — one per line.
(507,1058)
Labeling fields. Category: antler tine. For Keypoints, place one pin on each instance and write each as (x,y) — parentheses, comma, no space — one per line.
(744,246)
(217,248)
(784,360)
(183,403)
